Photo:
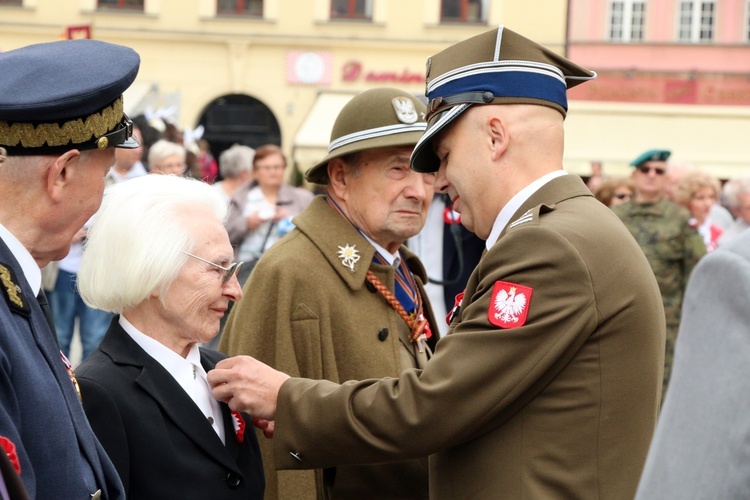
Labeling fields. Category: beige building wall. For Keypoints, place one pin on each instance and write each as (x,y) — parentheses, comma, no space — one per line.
(190,57)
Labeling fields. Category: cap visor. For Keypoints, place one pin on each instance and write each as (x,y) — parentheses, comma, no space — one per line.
(424,159)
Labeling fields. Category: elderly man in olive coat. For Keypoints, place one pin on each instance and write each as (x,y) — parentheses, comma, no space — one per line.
(340,297)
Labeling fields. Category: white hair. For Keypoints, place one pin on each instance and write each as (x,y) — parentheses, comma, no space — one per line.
(135,242)
(163,149)
(235,160)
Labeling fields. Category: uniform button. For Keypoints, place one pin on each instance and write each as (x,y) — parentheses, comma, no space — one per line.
(371,287)
(233,480)
(383,334)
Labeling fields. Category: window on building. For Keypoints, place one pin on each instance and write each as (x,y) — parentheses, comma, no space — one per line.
(697,21)
(627,20)
(19,3)
(121,4)
(463,11)
(351,9)
(240,8)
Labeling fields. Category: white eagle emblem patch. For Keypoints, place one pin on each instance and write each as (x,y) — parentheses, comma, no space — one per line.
(349,255)
(509,304)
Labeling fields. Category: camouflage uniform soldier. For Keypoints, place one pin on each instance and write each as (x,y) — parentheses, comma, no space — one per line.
(672,246)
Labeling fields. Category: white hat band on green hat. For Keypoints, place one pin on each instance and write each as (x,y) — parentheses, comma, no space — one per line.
(376,132)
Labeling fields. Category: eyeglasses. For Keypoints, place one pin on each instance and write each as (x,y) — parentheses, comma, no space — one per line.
(230,271)
(622,196)
(645,169)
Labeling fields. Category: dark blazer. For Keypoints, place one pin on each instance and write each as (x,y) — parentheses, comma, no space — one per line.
(158,439)
(40,413)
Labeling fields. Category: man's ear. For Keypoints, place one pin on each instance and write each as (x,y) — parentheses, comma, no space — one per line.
(498,136)
(59,173)
(338,177)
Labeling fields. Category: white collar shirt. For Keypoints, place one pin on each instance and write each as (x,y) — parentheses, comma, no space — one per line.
(30,269)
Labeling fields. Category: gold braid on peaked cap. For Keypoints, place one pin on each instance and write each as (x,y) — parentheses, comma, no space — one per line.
(496,67)
(376,118)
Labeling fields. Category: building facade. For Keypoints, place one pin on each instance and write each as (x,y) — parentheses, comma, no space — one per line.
(259,71)
(672,74)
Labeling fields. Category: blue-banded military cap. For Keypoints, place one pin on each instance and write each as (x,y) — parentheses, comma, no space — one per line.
(64,95)
(496,67)
(651,155)
(377,118)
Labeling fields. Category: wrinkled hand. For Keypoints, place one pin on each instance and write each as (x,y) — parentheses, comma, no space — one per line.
(246,384)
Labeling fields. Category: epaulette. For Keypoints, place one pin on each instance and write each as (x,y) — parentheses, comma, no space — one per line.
(12,291)
(528,216)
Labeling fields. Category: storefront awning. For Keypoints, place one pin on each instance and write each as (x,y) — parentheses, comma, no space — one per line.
(311,142)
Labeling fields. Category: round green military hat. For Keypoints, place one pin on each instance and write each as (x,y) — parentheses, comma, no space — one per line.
(496,67)
(376,118)
(64,95)
(651,155)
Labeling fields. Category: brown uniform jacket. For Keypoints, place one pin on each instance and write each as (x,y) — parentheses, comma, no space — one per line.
(308,315)
(561,407)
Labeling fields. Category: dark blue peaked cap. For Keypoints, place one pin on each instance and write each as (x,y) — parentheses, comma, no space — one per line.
(65,95)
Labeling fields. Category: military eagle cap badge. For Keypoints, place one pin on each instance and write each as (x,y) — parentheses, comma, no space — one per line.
(509,304)
(349,256)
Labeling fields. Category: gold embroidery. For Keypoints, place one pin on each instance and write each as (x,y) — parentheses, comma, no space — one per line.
(75,131)
(11,287)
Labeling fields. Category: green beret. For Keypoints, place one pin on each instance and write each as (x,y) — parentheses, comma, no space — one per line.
(377,118)
(651,155)
(496,67)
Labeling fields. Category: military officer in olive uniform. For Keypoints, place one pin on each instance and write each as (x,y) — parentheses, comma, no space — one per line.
(547,384)
(340,297)
(662,229)
(61,116)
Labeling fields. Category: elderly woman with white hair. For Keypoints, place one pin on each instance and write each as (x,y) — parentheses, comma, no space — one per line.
(167,157)
(158,257)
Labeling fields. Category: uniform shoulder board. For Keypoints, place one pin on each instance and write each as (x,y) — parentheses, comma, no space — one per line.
(528,216)
(12,291)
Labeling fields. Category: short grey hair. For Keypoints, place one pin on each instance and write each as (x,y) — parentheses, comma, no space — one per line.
(136,241)
(235,160)
(163,149)
(734,188)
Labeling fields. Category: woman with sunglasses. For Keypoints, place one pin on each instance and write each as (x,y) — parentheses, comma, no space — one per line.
(615,191)
(158,256)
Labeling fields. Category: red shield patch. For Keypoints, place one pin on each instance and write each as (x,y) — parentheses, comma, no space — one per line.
(7,447)
(509,305)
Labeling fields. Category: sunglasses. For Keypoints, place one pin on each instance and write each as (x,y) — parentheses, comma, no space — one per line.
(657,170)
(622,196)
(230,271)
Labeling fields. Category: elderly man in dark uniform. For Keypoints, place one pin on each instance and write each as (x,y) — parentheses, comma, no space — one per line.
(61,116)
(340,297)
(547,384)
(662,229)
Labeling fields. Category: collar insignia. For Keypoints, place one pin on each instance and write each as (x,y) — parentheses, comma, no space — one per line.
(349,256)
(12,292)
